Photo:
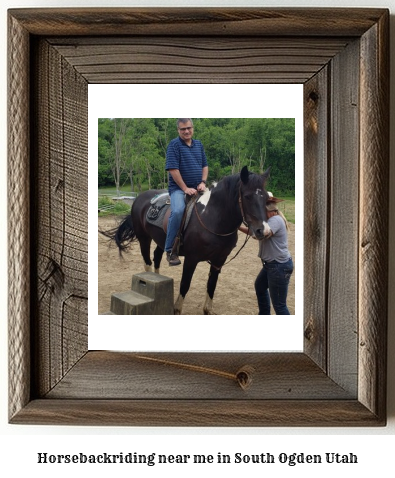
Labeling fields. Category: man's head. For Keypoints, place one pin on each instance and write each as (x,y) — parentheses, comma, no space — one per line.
(185,129)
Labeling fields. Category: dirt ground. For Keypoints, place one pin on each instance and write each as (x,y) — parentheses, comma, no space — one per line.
(234,295)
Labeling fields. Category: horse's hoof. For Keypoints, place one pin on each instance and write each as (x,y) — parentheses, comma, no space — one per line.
(178,305)
(208,312)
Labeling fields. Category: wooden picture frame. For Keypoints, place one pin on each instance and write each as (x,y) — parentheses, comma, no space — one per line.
(342,58)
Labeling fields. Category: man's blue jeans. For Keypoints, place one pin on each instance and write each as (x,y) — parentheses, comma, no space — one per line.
(272,284)
(177,207)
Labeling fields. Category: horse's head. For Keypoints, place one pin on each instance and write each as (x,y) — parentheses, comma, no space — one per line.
(253,197)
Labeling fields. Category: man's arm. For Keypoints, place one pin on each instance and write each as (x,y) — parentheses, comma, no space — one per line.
(205,173)
(202,185)
(176,175)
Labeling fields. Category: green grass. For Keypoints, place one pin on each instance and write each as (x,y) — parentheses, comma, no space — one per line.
(117,208)
(287,207)
(111,190)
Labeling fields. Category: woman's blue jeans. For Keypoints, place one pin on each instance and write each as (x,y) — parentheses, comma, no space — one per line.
(177,207)
(272,285)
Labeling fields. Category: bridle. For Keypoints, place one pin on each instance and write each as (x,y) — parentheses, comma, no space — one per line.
(240,201)
(241,208)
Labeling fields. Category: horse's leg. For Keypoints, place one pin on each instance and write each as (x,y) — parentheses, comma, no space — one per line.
(211,285)
(158,253)
(187,274)
(145,248)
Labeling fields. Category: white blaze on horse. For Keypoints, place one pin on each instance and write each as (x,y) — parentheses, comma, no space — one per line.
(211,232)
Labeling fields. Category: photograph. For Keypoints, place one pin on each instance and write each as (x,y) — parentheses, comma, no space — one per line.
(234,176)
(232,245)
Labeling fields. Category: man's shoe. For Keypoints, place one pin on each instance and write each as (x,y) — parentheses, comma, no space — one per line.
(172,259)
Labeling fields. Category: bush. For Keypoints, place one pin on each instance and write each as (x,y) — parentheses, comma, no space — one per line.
(107,206)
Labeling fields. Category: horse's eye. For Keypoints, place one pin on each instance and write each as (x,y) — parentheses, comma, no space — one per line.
(248,197)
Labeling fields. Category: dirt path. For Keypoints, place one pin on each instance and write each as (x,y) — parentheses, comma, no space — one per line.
(235,294)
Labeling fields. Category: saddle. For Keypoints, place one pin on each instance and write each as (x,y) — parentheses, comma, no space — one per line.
(159,212)
(159,205)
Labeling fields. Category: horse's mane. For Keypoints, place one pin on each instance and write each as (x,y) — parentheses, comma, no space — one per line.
(227,184)
(230,184)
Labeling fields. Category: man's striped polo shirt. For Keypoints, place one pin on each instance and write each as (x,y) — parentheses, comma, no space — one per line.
(189,160)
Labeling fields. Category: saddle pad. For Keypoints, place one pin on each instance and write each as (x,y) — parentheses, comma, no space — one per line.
(159,206)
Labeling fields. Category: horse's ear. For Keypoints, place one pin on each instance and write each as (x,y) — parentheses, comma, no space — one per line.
(266,175)
(244,174)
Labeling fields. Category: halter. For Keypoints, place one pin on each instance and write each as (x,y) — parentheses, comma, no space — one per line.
(241,208)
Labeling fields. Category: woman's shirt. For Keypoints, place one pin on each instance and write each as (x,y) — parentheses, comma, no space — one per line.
(275,248)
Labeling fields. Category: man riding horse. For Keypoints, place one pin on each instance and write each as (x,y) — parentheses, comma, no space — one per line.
(188,170)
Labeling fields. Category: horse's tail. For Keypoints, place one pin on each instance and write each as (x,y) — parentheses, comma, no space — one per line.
(123,235)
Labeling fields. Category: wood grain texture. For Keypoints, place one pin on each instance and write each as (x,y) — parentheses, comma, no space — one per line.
(261,22)
(373,238)
(208,60)
(61,205)
(341,56)
(344,216)
(18,218)
(316,212)
(186,376)
(201,413)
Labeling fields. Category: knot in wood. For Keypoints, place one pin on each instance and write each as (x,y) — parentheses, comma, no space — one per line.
(244,376)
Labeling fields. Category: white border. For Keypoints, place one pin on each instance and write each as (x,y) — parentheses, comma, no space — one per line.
(123,333)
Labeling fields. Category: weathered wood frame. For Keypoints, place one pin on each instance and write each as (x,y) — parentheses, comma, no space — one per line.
(342,58)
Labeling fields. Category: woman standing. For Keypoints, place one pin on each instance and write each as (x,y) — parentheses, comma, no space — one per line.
(271,285)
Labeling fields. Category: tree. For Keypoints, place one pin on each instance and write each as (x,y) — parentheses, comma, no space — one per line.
(105,151)
(144,160)
(134,149)
(118,161)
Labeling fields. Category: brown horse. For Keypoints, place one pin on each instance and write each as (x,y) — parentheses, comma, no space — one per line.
(211,233)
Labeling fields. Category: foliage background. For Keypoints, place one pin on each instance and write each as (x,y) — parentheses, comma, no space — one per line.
(132,151)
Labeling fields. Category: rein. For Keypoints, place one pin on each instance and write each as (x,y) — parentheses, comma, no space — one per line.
(237,253)
(228,234)
(234,257)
